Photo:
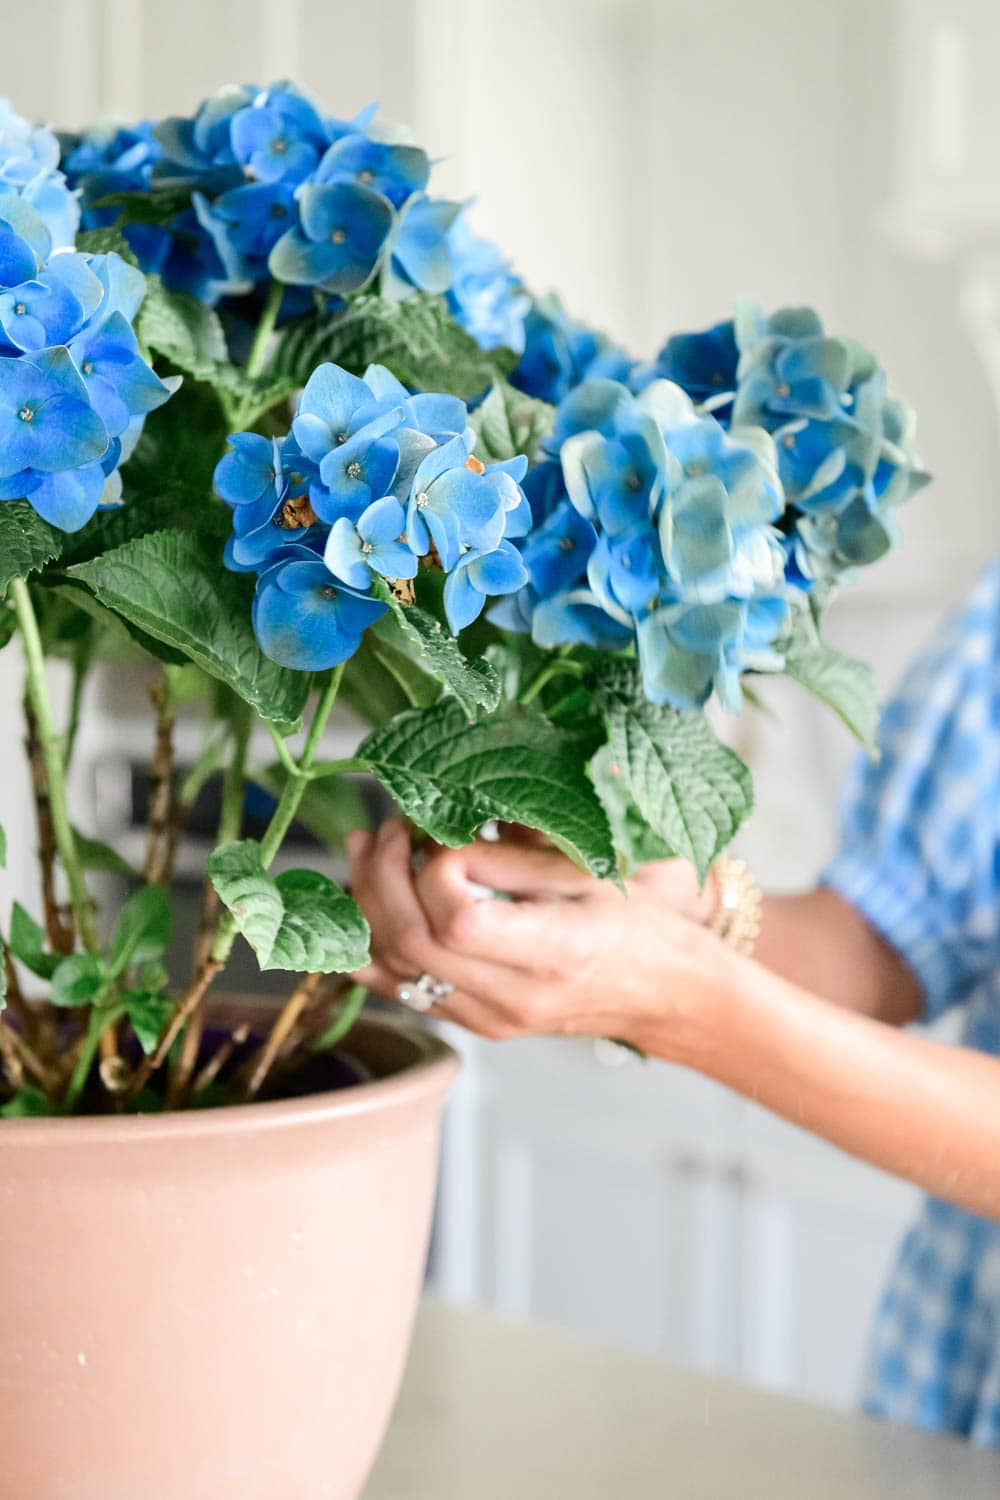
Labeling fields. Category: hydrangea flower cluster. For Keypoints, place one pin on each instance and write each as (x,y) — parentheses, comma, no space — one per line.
(280,190)
(654,526)
(29,169)
(74,388)
(370,481)
(845,447)
(558,354)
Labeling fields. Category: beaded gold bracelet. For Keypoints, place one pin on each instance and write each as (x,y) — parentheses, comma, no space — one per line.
(737,916)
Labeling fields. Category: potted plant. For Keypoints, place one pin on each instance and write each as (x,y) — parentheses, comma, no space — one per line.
(278,425)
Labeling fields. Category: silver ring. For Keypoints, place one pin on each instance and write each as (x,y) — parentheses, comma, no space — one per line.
(423,992)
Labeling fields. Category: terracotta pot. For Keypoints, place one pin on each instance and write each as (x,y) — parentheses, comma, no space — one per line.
(216,1304)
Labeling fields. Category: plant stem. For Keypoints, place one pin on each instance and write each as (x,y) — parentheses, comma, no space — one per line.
(285,756)
(265,328)
(288,803)
(230,825)
(302,996)
(38,695)
(61,934)
(30,1059)
(101,1018)
(225,932)
(559,668)
(325,768)
(80,656)
(350,1008)
(162,843)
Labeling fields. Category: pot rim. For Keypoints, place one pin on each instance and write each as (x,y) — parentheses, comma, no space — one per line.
(434,1066)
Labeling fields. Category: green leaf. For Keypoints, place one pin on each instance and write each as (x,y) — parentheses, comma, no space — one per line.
(299,920)
(691,789)
(142,931)
(3,977)
(330,808)
(173,586)
(417,339)
(158,206)
(350,1009)
(148,1014)
(106,241)
(473,681)
(77,980)
(27,942)
(27,542)
(508,422)
(29,1102)
(3,848)
(95,855)
(179,327)
(636,842)
(841,682)
(451,777)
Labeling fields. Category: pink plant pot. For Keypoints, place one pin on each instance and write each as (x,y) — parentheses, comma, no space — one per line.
(218,1303)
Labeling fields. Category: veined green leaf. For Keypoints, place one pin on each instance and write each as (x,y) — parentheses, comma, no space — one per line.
(77,980)
(142,931)
(416,338)
(841,682)
(451,777)
(693,791)
(27,942)
(27,542)
(173,585)
(148,1015)
(471,680)
(508,422)
(298,920)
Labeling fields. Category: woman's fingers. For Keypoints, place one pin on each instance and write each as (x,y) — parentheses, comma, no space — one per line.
(403,940)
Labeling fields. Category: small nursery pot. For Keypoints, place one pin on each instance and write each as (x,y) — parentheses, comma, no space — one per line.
(216,1305)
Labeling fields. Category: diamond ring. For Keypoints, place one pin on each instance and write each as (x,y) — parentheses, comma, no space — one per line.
(423,992)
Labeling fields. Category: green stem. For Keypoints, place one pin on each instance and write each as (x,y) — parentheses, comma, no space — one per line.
(551,670)
(288,804)
(281,745)
(265,328)
(55,773)
(233,790)
(101,1017)
(324,768)
(80,656)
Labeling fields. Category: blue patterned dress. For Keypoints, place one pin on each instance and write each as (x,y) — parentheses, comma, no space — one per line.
(920,858)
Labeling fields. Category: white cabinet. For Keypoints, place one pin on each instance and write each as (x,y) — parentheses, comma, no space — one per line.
(656,1211)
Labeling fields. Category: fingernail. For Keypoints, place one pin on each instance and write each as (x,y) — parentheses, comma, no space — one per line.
(389,832)
(356,842)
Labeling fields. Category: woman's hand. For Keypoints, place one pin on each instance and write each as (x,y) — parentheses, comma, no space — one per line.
(567,954)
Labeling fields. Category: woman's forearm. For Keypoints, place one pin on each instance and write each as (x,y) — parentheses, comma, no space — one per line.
(922,1109)
(818,940)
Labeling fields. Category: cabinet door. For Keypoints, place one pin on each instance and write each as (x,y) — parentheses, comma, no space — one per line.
(654,1211)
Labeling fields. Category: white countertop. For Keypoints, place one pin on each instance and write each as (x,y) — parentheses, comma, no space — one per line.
(492,1410)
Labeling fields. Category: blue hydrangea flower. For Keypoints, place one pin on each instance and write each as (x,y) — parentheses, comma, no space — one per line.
(371,481)
(357,549)
(559,354)
(485,296)
(112,159)
(479,575)
(279,137)
(702,364)
(29,168)
(418,255)
(667,540)
(304,619)
(845,447)
(395,169)
(342,230)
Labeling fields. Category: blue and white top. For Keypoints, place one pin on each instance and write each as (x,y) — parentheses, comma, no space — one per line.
(920,858)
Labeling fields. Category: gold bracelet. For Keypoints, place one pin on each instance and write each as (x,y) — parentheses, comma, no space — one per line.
(736,919)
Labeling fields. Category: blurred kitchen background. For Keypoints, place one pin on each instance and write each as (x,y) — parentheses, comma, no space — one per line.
(654,160)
